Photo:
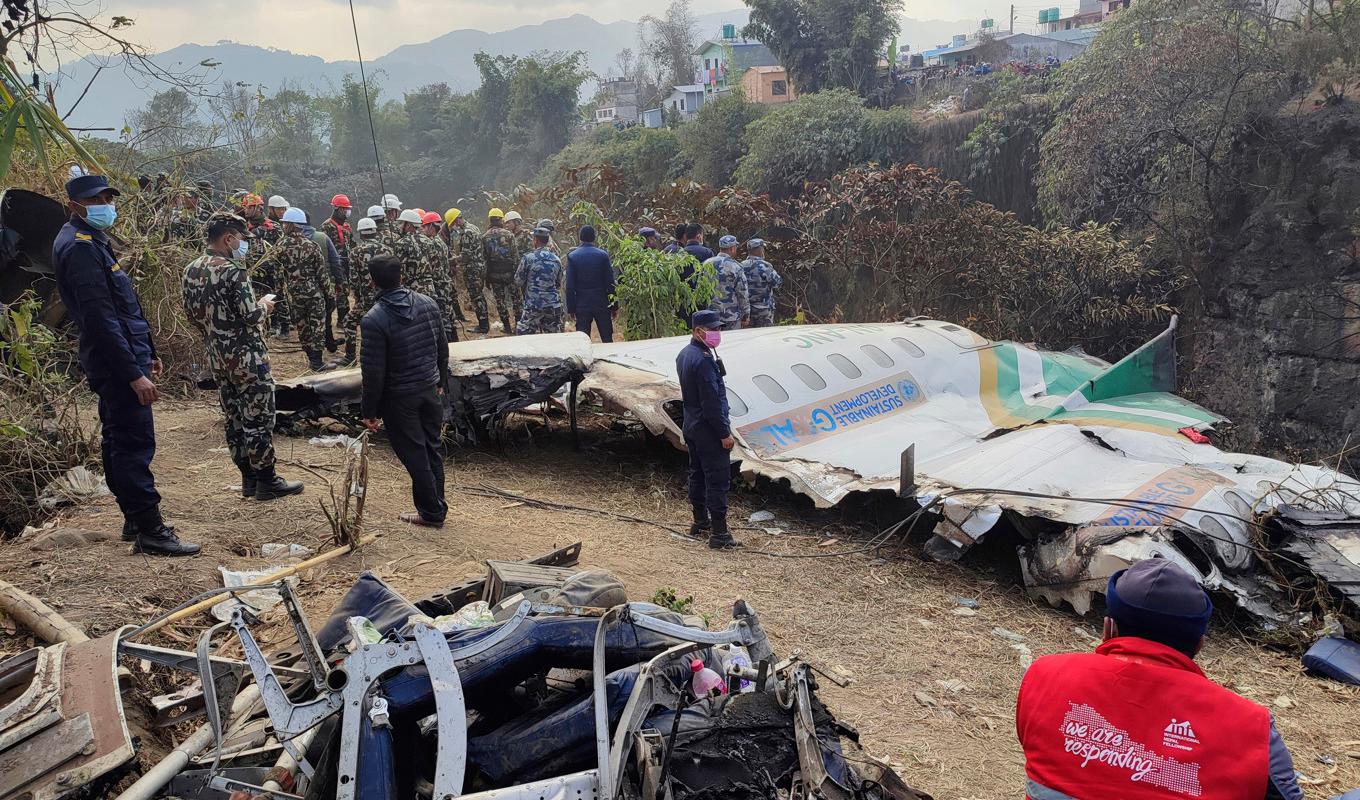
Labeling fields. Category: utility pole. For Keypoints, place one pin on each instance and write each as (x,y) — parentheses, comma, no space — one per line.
(1012,18)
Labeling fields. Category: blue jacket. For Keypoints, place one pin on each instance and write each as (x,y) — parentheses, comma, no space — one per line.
(590,280)
(115,338)
(702,392)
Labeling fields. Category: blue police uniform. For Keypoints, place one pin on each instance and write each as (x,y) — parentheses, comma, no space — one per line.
(115,350)
(706,424)
(590,289)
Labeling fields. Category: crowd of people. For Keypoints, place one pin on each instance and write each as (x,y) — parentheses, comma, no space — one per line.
(1136,718)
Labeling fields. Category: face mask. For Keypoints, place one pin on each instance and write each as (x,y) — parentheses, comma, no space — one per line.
(712,338)
(242,247)
(344,214)
(100,217)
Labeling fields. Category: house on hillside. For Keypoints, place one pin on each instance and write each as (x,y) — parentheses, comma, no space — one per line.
(1030,47)
(767,85)
(620,102)
(724,61)
(1090,12)
(684,100)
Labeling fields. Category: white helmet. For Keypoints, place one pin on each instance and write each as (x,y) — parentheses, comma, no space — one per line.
(512,216)
(367,225)
(409,215)
(294,214)
(375,211)
(390,201)
(277,201)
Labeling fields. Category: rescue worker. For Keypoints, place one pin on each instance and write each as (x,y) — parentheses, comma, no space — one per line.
(551,227)
(367,247)
(261,276)
(681,239)
(220,302)
(307,279)
(539,279)
(498,252)
(464,241)
(1137,718)
(184,217)
(590,287)
(274,217)
(471,262)
(416,271)
(524,243)
(379,218)
(694,243)
(733,302)
(282,317)
(338,230)
(438,256)
(391,231)
(761,283)
(119,360)
(707,430)
(650,238)
(449,236)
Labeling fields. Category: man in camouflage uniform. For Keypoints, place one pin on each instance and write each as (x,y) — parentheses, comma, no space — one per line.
(445,296)
(472,264)
(761,283)
(500,254)
(307,278)
(390,231)
(524,244)
(450,235)
(269,233)
(733,301)
(220,302)
(338,230)
(362,250)
(539,279)
(417,273)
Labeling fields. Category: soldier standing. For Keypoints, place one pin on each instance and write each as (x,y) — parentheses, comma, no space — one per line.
(411,250)
(452,236)
(363,250)
(472,260)
(733,301)
(539,279)
(221,303)
(498,250)
(337,229)
(438,255)
(524,244)
(761,283)
(282,316)
(391,230)
(308,281)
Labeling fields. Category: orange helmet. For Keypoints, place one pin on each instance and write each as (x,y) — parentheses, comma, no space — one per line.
(251,199)
(340,201)
(429,218)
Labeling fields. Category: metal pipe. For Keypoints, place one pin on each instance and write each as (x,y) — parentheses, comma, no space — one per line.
(155,778)
(601,702)
(287,762)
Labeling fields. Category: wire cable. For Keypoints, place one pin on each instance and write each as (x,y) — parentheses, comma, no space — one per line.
(368,104)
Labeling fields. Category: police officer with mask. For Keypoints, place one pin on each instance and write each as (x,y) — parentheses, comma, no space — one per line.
(707,429)
(119,360)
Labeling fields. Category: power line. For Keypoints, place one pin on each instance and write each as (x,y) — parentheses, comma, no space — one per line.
(368,104)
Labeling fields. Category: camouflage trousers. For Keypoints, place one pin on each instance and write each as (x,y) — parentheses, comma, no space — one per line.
(265,281)
(363,301)
(446,298)
(503,294)
(341,306)
(540,320)
(309,315)
(249,410)
(762,318)
(475,277)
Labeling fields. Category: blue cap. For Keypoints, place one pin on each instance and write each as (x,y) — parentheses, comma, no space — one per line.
(707,318)
(727,241)
(647,233)
(86,186)
(1155,599)
(754,243)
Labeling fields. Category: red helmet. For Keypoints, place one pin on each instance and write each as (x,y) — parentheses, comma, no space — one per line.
(429,217)
(340,201)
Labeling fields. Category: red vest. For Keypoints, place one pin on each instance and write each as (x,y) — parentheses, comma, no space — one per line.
(1137,720)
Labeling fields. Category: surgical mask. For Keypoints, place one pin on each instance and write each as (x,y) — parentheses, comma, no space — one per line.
(242,247)
(101,216)
(712,338)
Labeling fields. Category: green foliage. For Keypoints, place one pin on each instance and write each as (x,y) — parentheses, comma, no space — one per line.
(826,44)
(292,121)
(650,288)
(890,136)
(670,599)
(543,94)
(715,140)
(647,157)
(1016,109)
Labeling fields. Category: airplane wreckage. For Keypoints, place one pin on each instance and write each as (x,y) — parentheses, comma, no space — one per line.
(1096,465)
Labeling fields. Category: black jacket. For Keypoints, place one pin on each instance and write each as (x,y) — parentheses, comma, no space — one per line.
(703,392)
(404,350)
(590,280)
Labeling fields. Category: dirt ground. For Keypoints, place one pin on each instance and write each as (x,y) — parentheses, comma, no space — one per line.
(934,684)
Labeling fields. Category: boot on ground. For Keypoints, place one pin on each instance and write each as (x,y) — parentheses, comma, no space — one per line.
(270,486)
(505,325)
(483,326)
(161,540)
(129,530)
(315,364)
(702,525)
(348,359)
(722,538)
(248,479)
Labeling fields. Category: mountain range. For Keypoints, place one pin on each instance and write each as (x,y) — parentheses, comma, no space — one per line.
(445,59)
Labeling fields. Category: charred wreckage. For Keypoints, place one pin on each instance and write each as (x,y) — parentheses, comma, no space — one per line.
(538,681)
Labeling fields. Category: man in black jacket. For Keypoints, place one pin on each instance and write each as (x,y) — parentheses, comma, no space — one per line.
(405,365)
(590,287)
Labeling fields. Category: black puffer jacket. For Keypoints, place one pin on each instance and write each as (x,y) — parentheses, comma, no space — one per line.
(404,348)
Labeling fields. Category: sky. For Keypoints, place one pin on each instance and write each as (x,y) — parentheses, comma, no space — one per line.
(322,27)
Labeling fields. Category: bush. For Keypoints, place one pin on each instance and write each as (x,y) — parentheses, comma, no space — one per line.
(646,156)
(807,140)
(713,143)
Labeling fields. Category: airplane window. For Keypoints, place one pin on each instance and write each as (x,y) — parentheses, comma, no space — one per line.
(771,388)
(845,365)
(809,376)
(735,405)
(909,346)
(879,357)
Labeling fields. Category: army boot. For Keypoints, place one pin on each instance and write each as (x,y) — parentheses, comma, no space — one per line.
(248,478)
(722,538)
(269,486)
(129,530)
(505,325)
(156,538)
(483,325)
(348,359)
(331,344)
(315,364)
(701,525)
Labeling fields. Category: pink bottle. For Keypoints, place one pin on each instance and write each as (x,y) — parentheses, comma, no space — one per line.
(705,681)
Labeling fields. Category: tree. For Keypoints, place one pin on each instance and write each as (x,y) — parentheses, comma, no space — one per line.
(669,44)
(168,124)
(292,121)
(715,141)
(544,92)
(424,108)
(826,44)
(236,115)
(810,139)
(351,136)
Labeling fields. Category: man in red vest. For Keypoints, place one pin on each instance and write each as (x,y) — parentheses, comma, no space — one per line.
(1136,719)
